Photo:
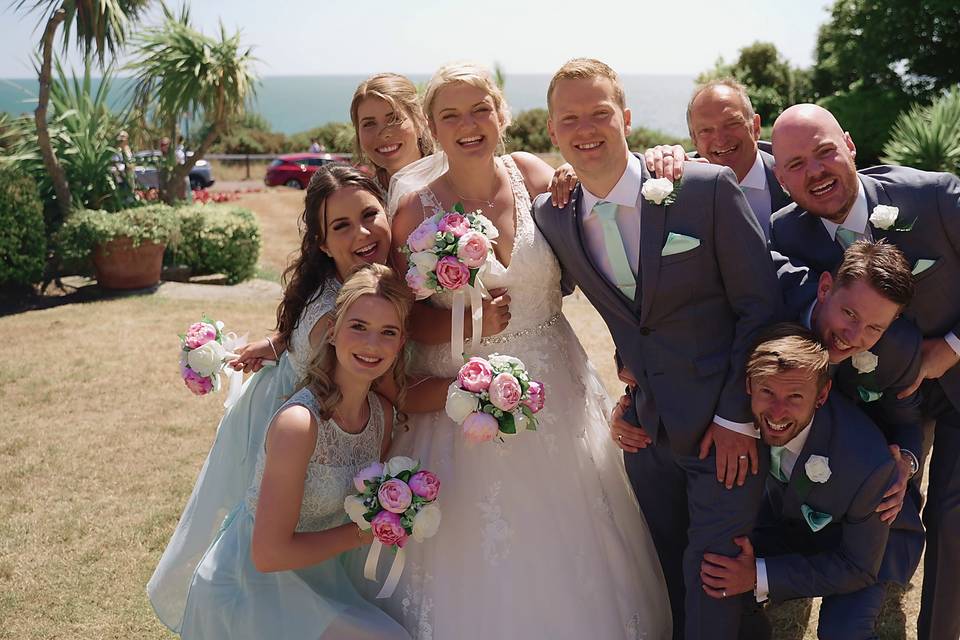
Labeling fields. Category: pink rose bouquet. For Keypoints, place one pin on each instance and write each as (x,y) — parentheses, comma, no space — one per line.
(494,397)
(447,251)
(204,351)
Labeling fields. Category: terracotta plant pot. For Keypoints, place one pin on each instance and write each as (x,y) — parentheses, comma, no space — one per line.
(120,265)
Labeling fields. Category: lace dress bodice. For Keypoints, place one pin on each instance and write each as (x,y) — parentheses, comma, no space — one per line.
(320,305)
(532,280)
(336,459)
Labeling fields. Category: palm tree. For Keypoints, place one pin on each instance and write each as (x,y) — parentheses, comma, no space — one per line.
(182,71)
(95,26)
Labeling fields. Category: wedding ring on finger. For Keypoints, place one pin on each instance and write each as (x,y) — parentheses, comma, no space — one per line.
(741,457)
(723,594)
(619,438)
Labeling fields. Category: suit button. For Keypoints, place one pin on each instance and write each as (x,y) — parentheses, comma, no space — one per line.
(644,331)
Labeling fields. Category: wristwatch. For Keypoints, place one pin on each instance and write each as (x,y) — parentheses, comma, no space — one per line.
(914,463)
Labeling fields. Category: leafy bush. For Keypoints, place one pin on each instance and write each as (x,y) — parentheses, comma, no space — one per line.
(528,132)
(218,239)
(928,136)
(23,241)
(87,228)
(641,139)
(337,137)
(868,113)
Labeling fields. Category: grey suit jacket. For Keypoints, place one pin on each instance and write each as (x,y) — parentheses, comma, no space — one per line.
(932,200)
(778,197)
(687,334)
(847,554)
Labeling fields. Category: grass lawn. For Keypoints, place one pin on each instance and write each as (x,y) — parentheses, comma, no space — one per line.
(102,443)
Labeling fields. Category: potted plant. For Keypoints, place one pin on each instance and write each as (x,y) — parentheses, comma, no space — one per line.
(126,246)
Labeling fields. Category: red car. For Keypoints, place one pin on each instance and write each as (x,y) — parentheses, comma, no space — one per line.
(296,169)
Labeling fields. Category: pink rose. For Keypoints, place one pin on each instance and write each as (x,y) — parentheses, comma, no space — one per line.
(476,375)
(455,224)
(371,472)
(452,274)
(505,392)
(394,495)
(200,333)
(198,384)
(423,237)
(388,530)
(536,396)
(473,248)
(418,283)
(480,427)
(425,484)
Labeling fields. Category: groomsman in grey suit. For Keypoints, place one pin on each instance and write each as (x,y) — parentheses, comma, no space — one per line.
(726,131)
(681,276)
(920,213)
(818,534)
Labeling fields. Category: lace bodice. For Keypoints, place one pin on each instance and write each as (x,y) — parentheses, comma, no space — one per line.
(532,279)
(337,457)
(322,303)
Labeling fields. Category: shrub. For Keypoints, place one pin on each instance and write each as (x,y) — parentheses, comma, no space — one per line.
(528,132)
(928,136)
(868,113)
(641,139)
(23,241)
(87,228)
(218,239)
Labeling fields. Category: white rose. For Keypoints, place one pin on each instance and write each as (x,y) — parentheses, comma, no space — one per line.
(489,229)
(396,464)
(656,189)
(884,216)
(817,468)
(496,361)
(207,358)
(425,261)
(864,362)
(355,509)
(460,403)
(426,523)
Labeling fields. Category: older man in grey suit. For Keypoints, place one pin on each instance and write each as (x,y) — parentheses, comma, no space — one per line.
(819,534)
(683,282)
(920,213)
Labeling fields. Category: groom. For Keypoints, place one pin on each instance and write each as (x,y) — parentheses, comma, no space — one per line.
(684,282)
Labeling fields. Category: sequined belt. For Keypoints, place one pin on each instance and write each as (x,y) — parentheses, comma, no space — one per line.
(531,331)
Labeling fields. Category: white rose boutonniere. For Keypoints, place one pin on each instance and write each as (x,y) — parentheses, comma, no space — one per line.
(818,468)
(659,191)
(885,217)
(865,362)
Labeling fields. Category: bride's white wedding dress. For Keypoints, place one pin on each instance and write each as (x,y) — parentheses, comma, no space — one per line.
(541,535)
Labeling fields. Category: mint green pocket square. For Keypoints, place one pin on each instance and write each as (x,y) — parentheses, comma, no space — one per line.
(922,265)
(869,395)
(815,519)
(678,243)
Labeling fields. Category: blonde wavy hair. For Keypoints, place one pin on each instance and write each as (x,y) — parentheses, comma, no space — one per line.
(368,279)
(401,94)
(473,75)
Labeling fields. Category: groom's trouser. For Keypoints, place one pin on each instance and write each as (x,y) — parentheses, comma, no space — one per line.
(690,513)
(940,598)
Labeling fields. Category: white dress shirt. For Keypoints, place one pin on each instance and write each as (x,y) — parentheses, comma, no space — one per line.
(626,194)
(755,188)
(791,453)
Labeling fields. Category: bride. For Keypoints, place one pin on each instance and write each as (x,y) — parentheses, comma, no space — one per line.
(541,535)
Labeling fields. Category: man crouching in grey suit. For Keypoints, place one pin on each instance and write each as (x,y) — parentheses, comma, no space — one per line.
(819,533)
(682,278)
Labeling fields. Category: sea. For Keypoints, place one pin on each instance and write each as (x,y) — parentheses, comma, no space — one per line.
(297,103)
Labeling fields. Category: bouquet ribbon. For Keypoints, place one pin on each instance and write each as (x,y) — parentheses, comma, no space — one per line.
(234,377)
(475,295)
(396,568)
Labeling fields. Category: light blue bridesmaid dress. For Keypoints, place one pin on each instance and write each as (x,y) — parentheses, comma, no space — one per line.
(230,599)
(228,470)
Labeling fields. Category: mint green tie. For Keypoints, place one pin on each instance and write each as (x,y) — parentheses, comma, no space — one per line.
(616,253)
(847,237)
(776,453)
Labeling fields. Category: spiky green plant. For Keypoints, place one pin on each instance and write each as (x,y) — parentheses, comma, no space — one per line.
(928,136)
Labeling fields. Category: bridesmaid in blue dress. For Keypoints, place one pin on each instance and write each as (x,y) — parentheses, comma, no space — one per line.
(273,572)
(343,225)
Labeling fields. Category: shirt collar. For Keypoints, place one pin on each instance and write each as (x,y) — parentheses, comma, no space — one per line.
(756,178)
(795,446)
(624,193)
(856,219)
(808,316)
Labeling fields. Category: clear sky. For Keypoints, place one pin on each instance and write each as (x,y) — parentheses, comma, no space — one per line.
(524,36)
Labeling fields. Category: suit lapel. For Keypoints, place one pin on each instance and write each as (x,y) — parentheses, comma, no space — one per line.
(875,194)
(778,198)
(800,486)
(653,221)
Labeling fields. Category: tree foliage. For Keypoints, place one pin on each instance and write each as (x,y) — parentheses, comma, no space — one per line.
(928,136)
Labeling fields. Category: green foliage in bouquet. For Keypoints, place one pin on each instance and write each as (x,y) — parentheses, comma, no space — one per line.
(218,239)
(23,242)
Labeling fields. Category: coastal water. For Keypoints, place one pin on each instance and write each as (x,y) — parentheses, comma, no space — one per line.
(297,103)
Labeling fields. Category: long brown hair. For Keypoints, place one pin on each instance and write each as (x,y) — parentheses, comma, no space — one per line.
(306,277)
(368,279)
(401,94)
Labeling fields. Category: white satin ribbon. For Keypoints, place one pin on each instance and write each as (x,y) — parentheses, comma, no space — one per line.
(396,568)
(475,296)
(234,377)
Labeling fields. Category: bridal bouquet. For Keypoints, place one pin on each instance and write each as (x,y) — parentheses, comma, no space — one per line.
(395,500)
(494,397)
(204,351)
(449,252)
